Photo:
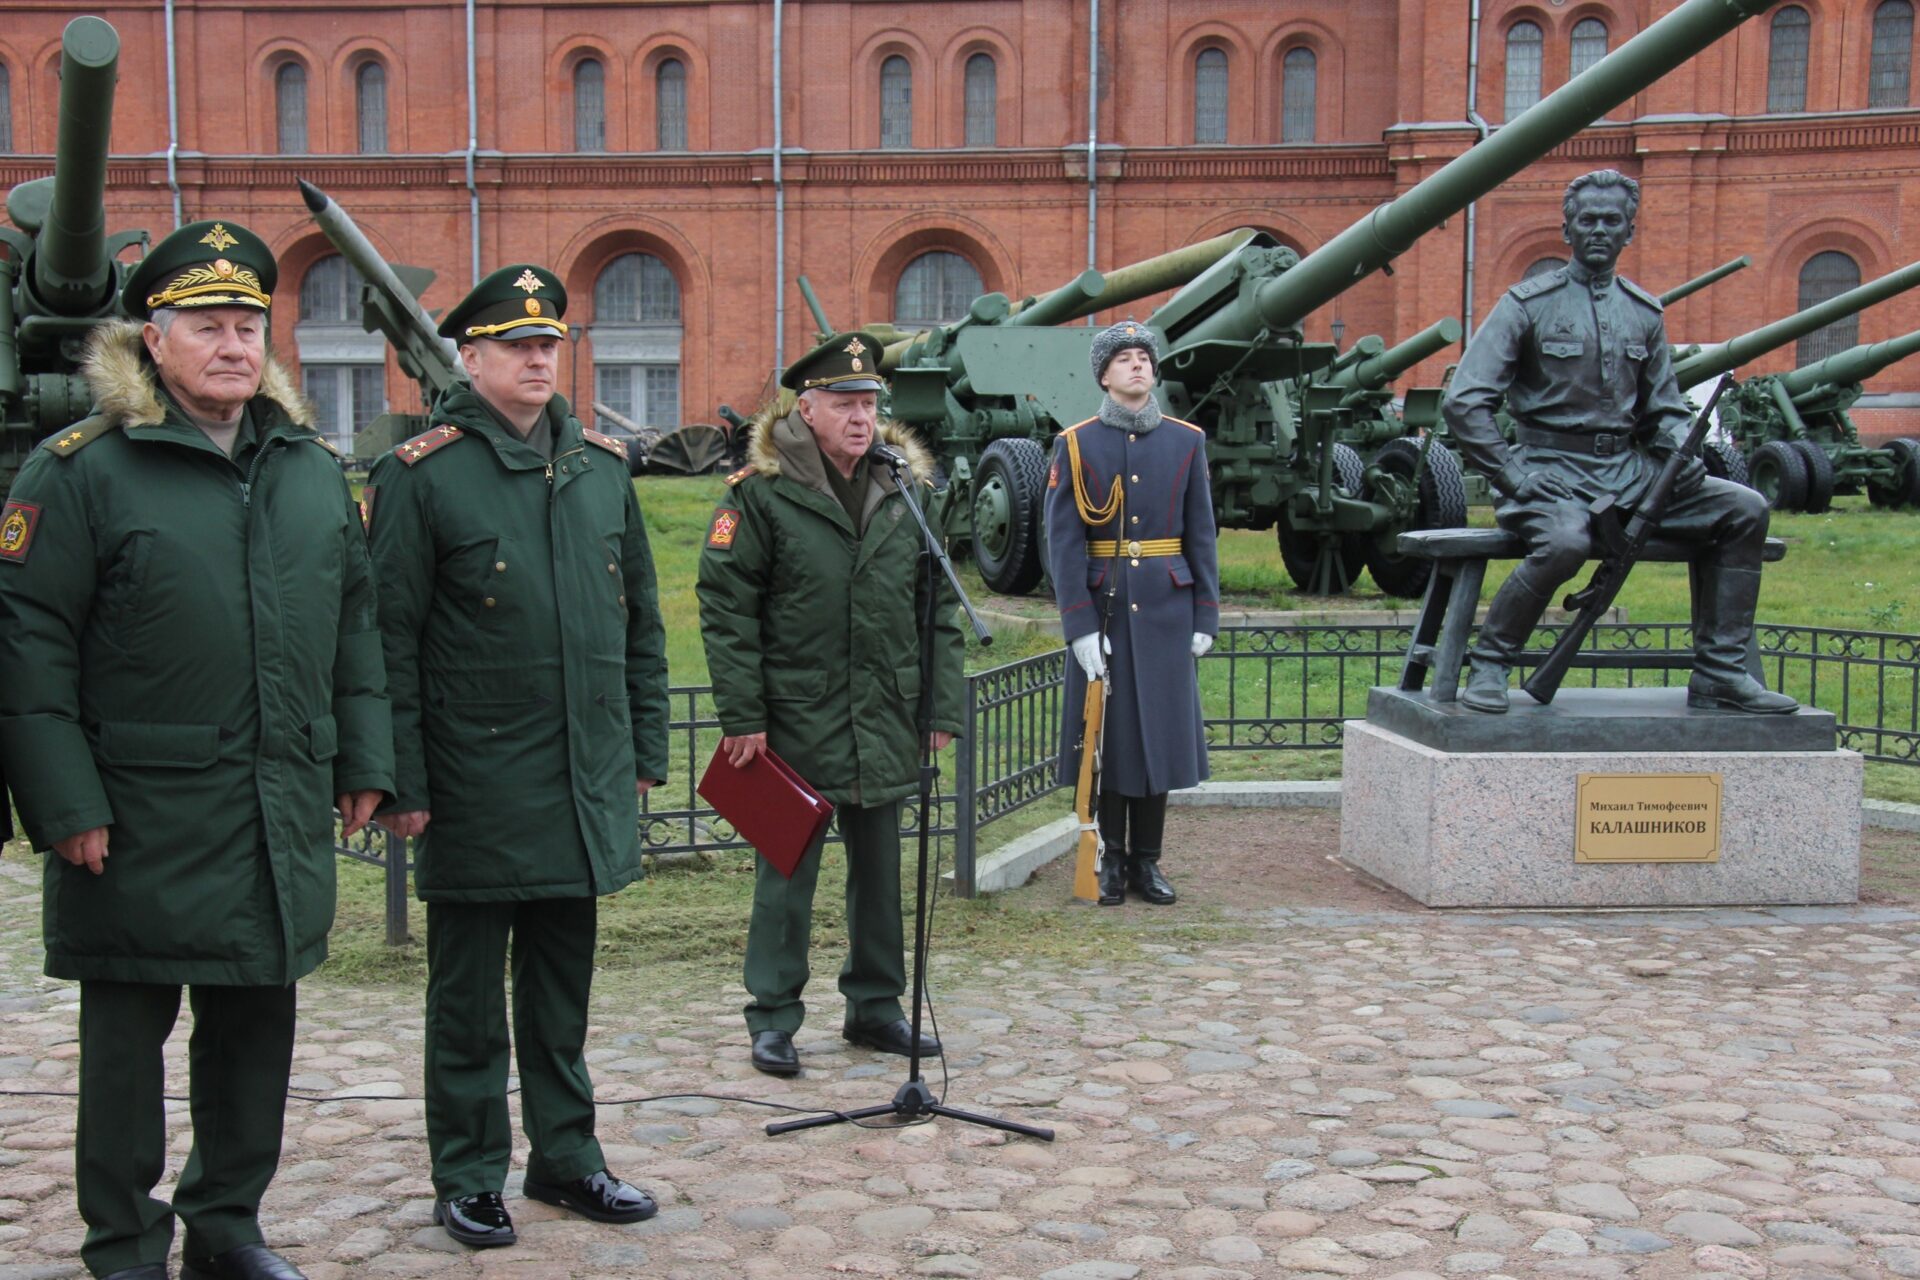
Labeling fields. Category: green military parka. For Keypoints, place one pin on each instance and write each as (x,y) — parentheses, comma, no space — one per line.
(525,653)
(191,659)
(812,629)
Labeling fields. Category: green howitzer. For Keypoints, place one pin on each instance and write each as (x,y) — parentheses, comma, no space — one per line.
(1706,280)
(1800,445)
(61,278)
(390,306)
(1694,365)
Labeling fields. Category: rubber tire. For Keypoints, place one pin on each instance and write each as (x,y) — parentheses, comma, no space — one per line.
(1819,477)
(1906,469)
(1349,472)
(1780,474)
(1300,552)
(1441,504)
(1019,467)
(1725,462)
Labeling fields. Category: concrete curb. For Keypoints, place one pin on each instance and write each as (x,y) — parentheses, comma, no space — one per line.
(1010,865)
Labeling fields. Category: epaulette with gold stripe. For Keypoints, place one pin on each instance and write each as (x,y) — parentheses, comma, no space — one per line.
(740,475)
(78,437)
(611,444)
(426,442)
(1182,422)
(325,443)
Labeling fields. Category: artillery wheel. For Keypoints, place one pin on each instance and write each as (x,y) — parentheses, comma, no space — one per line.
(1724,461)
(1780,474)
(1328,564)
(1009,488)
(1819,476)
(1905,489)
(1441,504)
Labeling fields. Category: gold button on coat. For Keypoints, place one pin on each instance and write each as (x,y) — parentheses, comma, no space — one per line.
(490,602)
(499,566)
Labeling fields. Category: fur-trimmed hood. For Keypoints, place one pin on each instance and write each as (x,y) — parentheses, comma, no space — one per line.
(763,450)
(126,388)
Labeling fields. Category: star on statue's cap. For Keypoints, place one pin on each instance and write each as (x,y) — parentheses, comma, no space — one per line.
(203,264)
(520,301)
(844,362)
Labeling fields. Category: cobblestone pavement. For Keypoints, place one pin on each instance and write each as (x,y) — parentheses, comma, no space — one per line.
(1705,1093)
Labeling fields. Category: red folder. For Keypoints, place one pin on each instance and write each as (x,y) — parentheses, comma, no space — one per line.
(770,805)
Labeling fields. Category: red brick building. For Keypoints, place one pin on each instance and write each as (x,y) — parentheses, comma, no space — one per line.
(929,149)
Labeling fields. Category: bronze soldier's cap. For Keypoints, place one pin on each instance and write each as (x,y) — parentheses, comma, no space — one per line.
(844,362)
(520,301)
(203,264)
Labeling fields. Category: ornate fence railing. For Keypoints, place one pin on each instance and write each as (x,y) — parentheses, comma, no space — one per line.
(1281,688)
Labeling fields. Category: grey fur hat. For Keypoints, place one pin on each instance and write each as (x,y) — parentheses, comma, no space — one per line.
(1110,342)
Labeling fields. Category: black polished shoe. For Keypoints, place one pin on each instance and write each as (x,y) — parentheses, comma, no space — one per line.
(1144,874)
(147,1271)
(599,1196)
(773,1053)
(246,1262)
(894,1037)
(1113,878)
(480,1221)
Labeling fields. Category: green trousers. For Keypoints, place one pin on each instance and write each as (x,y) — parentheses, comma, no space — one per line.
(875,974)
(238,1060)
(549,943)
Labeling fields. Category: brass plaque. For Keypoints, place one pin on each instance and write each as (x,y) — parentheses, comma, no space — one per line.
(1647,817)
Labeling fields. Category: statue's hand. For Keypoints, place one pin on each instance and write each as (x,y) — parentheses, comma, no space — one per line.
(1693,474)
(1544,486)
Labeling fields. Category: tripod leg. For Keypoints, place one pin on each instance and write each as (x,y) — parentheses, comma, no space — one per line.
(1010,1126)
(816,1122)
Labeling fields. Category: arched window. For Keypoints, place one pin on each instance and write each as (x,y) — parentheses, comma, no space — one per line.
(589,105)
(343,368)
(6,110)
(1827,275)
(1892,54)
(936,288)
(1787,60)
(1525,54)
(1587,46)
(370,102)
(636,340)
(670,105)
(896,102)
(1299,84)
(290,108)
(1210,96)
(1540,267)
(983,89)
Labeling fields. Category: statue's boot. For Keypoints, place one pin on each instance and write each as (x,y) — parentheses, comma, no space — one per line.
(1723,607)
(1515,610)
(1113,851)
(1148,817)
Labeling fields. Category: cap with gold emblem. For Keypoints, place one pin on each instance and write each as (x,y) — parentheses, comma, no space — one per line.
(203,264)
(1114,339)
(844,362)
(520,301)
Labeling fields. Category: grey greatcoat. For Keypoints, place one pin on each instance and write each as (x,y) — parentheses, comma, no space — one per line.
(1154,738)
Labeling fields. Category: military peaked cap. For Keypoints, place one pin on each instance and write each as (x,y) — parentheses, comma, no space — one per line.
(203,264)
(844,362)
(520,301)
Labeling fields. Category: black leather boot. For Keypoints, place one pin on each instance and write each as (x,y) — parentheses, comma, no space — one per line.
(1113,852)
(1511,618)
(1723,608)
(1148,817)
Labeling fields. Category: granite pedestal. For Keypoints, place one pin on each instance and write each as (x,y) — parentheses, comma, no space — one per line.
(1461,809)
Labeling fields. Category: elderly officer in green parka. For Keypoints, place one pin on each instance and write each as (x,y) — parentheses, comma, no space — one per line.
(193,677)
(527,661)
(811,610)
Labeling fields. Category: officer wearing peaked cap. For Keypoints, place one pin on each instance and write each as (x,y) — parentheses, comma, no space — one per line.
(187,624)
(518,607)
(1130,548)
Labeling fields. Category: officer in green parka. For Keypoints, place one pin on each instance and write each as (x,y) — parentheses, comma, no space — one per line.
(528,669)
(811,611)
(194,682)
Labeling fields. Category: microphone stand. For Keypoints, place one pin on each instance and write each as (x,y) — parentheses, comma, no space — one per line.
(914,1100)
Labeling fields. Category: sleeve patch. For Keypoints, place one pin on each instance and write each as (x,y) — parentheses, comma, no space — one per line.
(1053,475)
(726,523)
(17,524)
(366,505)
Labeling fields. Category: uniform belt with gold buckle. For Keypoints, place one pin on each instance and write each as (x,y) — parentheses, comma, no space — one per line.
(1138,549)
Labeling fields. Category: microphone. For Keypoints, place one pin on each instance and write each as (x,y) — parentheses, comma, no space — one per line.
(892,457)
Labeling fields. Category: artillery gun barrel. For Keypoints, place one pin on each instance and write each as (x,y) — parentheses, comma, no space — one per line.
(1375,372)
(1722,357)
(71,272)
(1390,230)
(819,312)
(1062,304)
(1855,364)
(1700,282)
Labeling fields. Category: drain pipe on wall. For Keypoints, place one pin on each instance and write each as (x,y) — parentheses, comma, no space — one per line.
(1480,125)
(473,145)
(173,120)
(1093,138)
(779,213)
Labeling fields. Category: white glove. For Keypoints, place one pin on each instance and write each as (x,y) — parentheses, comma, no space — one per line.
(1086,651)
(1201,643)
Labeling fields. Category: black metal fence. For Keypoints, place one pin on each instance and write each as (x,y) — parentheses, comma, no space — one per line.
(1286,688)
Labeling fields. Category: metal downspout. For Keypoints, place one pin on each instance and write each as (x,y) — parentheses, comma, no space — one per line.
(779,211)
(473,146)
(173,120)
(1480,125)
(1093,139)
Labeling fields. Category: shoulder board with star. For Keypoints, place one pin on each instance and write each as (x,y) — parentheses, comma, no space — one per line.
(427,442)
(612,444)
(1534,286)
(1633,290)
(740,475)
(77,437)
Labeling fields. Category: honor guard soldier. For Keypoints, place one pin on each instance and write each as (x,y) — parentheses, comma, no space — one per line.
(530,705)
(187,624)
(1580,357)
(1130,548)
(811,610)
